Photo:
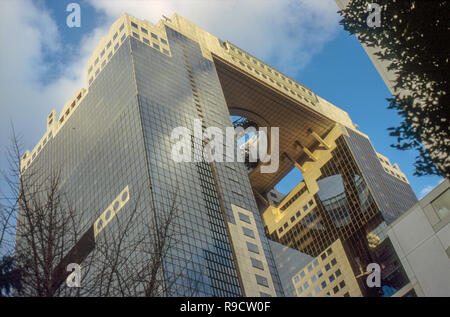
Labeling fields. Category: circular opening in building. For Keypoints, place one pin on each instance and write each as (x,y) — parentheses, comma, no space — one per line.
(116,206)
(108,214)
(247,140)
(99,224)
(124,196)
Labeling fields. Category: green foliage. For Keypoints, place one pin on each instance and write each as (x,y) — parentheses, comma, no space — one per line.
(414,40)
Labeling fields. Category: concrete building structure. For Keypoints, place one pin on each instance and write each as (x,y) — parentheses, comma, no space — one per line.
(113,140)
(421,238)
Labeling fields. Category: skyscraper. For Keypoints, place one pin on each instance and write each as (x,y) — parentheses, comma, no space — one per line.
(113,144)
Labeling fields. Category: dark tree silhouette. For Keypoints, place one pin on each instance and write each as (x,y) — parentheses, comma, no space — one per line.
(413,39)
(51,233)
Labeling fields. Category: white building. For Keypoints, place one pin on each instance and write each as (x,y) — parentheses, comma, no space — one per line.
(421,238)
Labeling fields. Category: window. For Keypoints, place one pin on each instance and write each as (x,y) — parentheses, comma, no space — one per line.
(302,274)
(144,30)
(252,247)
(146,41)
(335,289)
(310,268)
(154,36)
(244,218)
(347,294)
(319,273)
(327,267)
(333,262)
(331,278)
(338,273)
(316,263)
(310,203)
(305,208)
(121,27)
(313,278)
(164,41)
(299,290)
(296,279)
(123,37)
(165,51)
(306,285)
(329,252)
(135,35)
(317,289)
(292,219)
(261,280)
(115,36)
(257,264)
(441,204)
(156,46)
(323,284)
(102,53)
(108,45)
(342,284)
(134,25)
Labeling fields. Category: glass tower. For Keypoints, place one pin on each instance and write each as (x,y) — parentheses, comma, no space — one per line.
(112,143)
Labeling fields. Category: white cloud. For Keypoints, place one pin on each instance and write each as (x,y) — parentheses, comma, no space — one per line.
(428,188)
(425,191)
(287,32)
(28,33)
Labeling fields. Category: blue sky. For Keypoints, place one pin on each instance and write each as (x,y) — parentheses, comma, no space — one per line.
(44,62)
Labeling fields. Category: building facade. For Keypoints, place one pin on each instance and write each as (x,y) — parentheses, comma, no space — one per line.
(421,238)
(329,274)
(113,145)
